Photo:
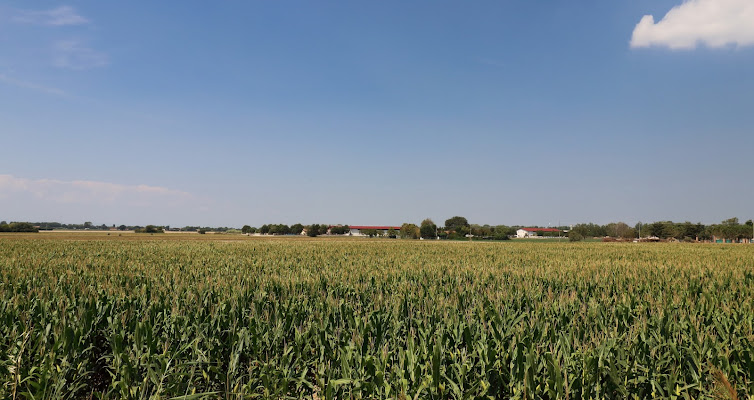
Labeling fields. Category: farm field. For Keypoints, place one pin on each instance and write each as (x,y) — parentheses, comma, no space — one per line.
(222,316)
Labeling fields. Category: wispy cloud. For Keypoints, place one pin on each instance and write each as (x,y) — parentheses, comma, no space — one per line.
(72,54)
(89,192)
(60,16)
(30,85)
(715,23)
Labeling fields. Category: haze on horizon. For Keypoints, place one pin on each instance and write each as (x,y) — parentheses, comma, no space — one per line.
(376,113)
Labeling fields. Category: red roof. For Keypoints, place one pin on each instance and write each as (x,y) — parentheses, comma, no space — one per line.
(397,228)
(541,229)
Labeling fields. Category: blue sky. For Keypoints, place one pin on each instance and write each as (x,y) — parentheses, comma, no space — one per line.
(253,112)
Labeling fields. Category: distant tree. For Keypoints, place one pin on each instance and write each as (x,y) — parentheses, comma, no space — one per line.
(428,229)
(391,233)
(619,230)
(590,230)
(575,236)
(265,229)
(340,230)
(246,229)
(502,232)
(731,229)
(296,229)
(87,225)
(409,231)
(369,232)
(731,221)
(150,229)
(18,227)
(455,223)
(315,230)
(201,231)
(122,228)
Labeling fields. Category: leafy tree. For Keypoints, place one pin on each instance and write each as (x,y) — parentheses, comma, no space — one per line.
(428,229)
(409,231)
(264,229)
(150,229)
(589,230)
(480,231)
(619,230)
(731,229)
(391,233)
(502,232)
(369,232)
(340,230)
(455,223)
(18,227)
(296,229)
(279,229)
(315,230)
(246,229)
(575,236)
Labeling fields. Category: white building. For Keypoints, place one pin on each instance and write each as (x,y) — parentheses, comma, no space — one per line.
(357,230)
(533,232)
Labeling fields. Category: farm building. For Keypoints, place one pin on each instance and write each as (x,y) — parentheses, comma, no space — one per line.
(533,232)
(356,230)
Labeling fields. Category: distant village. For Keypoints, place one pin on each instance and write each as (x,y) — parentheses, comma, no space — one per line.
(455,228)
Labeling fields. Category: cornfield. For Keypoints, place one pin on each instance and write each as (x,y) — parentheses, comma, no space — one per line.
(374,319)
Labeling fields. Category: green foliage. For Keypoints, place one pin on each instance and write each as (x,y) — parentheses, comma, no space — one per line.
(296,229)
(316,230)
(455,223)
(246,229)
(369,232)
(18,227)
(409,231)
(197,318)
(340,230)
(278,229)
(150,229)
(428,229)
(730,229)
(575,236)
(502,232)
(589,230)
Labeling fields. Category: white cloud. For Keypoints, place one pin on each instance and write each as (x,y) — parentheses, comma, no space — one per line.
(61,16)
(72,54)
(89,192)
(715,23)
(30,85)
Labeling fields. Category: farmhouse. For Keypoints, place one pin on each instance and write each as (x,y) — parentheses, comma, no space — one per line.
(356,230)
(534,232)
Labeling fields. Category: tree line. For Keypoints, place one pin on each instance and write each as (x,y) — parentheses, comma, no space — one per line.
(17,227)
(455,228)
(730,229)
